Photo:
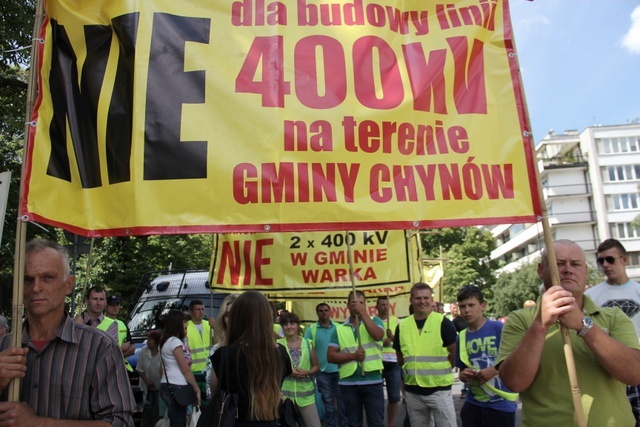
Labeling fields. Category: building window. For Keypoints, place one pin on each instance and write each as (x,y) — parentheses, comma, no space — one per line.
(625,230)
(623,173)
(633,258)
(627,144)
(624,202)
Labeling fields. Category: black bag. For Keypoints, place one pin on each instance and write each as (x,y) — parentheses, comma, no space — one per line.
(185,395)
(290,415)
(222,411)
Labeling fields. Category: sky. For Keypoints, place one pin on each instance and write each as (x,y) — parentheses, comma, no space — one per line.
(579,61)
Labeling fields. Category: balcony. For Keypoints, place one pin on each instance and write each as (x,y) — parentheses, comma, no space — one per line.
(562,161)
(578,189)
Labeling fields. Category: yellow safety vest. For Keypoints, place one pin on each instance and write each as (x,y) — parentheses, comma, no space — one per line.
(348,344)
(300,390)
(105,323)
(426,362)
(393,323)
(199,345)
(483,392)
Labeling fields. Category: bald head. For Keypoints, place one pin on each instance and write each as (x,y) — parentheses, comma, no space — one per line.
(572,266)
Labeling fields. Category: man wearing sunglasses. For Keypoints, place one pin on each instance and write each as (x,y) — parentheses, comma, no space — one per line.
(619,291)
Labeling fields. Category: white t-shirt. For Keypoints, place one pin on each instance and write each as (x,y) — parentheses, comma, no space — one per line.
(170,363)
(626,297)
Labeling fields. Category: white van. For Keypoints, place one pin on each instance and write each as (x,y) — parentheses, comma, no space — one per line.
(162,291)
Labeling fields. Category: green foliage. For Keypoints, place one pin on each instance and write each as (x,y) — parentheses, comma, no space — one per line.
(466,252)
(118,263)
(513,289)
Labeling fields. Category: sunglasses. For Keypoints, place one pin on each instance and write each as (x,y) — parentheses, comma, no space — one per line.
(608,259)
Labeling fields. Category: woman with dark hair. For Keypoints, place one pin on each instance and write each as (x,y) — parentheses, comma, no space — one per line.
(149,368)
(254,365)
(175,366)
(299,386)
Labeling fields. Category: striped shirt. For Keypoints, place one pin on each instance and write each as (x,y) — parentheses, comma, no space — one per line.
(78,375)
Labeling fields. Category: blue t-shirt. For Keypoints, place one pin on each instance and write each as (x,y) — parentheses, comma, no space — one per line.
(482,349)
(321,343)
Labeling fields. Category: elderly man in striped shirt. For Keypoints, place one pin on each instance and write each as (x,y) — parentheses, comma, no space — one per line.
(71,374)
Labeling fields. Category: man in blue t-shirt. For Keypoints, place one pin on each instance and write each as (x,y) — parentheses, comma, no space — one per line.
(320,334)
(488,401)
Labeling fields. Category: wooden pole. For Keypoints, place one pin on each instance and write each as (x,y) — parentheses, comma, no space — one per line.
(17,303)
(86,279)
(551,258)
(353,289)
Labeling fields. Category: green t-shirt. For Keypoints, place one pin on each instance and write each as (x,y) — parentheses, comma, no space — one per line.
(548,401)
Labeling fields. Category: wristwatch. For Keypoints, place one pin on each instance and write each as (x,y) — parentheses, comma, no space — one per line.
(587,324)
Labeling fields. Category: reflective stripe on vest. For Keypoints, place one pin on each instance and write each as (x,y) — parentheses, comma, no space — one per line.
(486,388)
(199,345)
(426,361)
(372,350)
(300,390)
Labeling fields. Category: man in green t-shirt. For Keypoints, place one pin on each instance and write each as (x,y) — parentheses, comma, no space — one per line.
(605,346)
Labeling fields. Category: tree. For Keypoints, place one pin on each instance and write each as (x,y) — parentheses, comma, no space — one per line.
(118,263)
(512,289)
(16,29)
(466,251)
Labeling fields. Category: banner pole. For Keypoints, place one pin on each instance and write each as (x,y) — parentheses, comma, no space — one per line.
(353,290)
(17,303)
(86,279)
(555,276)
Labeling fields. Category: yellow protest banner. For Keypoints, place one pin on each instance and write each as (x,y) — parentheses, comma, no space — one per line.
(160,116)
(312,267)
(313,264)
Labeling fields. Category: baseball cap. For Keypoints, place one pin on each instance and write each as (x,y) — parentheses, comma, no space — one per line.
(113,299)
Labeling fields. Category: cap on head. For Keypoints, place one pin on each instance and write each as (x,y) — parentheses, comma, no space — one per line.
(113,300)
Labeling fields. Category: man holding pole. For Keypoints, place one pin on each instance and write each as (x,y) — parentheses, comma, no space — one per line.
(605,346)
(356,347)
(70,374)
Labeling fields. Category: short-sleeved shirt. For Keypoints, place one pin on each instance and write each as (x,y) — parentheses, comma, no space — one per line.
(548,401)
(78,375)
(321,343)
(482,349)
(371,377)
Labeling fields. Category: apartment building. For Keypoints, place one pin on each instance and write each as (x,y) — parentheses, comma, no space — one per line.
(591,187)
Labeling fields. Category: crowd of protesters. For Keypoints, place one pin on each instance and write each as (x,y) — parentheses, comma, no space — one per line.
(72,372)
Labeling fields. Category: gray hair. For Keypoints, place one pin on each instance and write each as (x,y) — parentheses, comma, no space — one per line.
(38,245)
(3,322)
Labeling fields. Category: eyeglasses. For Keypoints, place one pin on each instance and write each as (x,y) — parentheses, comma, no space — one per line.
(608,259)
(471,288)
